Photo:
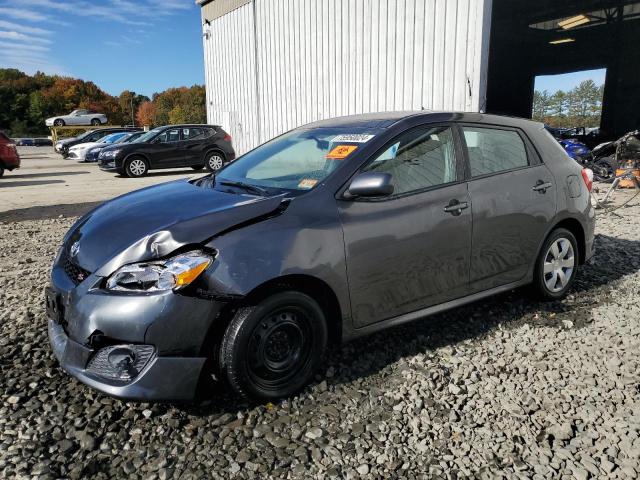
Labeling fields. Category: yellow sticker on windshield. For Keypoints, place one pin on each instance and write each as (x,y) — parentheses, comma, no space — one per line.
(341,151)
(307,183)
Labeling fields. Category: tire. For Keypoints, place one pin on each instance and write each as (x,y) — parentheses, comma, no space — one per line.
(604,168)
(198,167)
(95,122)
(58,122)
(136,167)
(271,350)
(1,172)
(214,161)
(559,253)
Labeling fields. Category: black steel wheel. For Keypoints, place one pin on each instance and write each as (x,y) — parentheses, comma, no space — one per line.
(271,350)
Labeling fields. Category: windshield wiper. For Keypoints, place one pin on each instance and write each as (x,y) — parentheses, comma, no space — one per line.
(245,186)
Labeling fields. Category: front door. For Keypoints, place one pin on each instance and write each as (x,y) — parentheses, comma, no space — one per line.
(412,249)
(513,199)
(165,149)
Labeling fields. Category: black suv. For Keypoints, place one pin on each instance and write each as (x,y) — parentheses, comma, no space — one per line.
(63,146)
(195,146)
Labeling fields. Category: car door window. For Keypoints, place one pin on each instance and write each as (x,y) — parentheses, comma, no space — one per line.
(494,150)
(419,158)
(192,133)
(167,136)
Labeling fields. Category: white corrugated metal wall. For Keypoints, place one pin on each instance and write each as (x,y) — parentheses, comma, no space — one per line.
(315,59)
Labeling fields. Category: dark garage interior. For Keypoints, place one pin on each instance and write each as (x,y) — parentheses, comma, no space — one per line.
(586,34)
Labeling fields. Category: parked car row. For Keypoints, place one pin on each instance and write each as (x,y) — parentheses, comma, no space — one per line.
(133,152)
(9,158)
(34,142)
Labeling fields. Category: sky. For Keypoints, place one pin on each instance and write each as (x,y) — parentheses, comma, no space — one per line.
(145,46)
(567,81)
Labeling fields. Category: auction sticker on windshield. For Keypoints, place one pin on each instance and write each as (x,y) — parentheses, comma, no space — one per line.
(341,151)
(307,183)
(353,138)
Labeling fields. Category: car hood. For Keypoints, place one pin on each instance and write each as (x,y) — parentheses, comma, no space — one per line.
(155,221)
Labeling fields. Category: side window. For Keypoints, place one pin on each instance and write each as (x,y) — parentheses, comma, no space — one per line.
(420,158)
(172,135)
(492,150)
(192,133)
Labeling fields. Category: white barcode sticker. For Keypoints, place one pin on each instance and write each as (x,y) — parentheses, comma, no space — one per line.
(353,138)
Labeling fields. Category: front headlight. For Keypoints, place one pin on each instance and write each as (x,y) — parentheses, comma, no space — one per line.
(171,274)
(109,153)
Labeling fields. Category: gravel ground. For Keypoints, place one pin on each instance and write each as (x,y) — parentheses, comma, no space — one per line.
(506,387)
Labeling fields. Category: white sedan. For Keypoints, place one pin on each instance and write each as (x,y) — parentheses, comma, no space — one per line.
(79,152)
(78,117)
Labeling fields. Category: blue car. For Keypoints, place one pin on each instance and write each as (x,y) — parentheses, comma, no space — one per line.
(576,150)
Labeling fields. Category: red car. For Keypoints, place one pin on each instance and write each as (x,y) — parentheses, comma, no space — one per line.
(9,158)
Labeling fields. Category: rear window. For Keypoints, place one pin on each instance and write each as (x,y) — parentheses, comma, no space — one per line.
(494,150)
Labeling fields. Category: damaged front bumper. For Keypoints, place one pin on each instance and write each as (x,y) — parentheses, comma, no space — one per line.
(133,347)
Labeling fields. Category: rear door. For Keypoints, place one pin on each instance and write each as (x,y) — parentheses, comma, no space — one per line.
(513,198)
(192,141)
(405,252)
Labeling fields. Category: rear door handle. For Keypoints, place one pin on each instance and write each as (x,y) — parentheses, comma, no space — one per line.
(455,207)
(541,186)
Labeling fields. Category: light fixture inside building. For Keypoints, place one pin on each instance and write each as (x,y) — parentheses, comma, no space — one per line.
(562,40)
(574,22)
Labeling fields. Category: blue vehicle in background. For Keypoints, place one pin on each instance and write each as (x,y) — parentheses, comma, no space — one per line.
(576,150)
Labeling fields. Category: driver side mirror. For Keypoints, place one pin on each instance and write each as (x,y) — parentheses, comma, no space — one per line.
(370,184)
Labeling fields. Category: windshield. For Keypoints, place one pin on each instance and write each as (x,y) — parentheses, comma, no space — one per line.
(297,160)
(129,137)
(111,138)
(85,134)
(147,136)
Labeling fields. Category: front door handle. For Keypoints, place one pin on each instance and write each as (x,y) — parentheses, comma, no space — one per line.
(455,207)
(541,186)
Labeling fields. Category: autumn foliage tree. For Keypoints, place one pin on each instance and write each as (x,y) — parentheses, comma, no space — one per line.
(27,100)
(146,113)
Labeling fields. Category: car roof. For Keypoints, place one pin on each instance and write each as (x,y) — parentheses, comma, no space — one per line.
(382,120)
(187,125)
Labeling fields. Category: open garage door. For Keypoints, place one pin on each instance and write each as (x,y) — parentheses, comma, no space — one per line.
(547,37)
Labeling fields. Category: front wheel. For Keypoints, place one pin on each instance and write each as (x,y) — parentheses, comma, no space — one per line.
(136,167)
(58,122)
(271,350)
(214,161)
(556,265)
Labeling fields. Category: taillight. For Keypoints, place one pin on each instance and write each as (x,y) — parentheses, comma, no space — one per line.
(227,138)
(587,176)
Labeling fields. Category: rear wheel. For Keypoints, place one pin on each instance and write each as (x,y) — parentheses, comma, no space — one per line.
(136,167)
(556,265)
(58,122)
(271,350)
(214,161)
(95,122)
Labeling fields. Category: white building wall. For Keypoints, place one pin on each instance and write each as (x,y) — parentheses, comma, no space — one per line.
(230,76)
(315,59)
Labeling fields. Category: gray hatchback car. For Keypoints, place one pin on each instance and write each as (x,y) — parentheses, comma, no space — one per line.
(329,232)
